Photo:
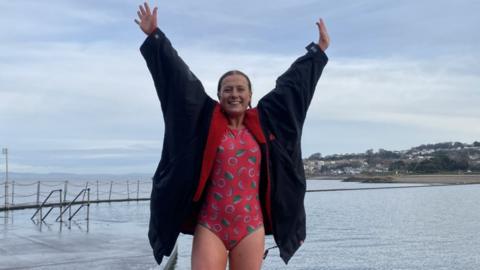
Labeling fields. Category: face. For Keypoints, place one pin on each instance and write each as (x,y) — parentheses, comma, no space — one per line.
(234,95)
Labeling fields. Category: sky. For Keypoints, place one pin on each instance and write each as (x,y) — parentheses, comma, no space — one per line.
(76,96)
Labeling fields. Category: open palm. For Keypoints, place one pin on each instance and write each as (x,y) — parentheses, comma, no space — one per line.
(148,19)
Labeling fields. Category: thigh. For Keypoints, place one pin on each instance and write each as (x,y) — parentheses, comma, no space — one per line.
(248,254)
(208,251)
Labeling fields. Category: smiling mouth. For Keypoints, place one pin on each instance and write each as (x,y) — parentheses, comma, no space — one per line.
(236,102)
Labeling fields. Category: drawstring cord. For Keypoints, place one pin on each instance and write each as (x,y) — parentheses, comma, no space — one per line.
(266,251)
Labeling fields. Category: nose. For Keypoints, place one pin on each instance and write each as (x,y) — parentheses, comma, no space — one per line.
(235,93)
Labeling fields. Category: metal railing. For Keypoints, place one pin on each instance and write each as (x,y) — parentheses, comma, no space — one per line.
(39,209)
(23,194)
(69,206)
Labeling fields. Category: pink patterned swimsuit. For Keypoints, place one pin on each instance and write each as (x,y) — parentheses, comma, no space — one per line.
(231,209)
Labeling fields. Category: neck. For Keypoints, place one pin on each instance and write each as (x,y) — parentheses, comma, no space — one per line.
(236,122)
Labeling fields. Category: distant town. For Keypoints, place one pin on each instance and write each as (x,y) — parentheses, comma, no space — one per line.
(447,157)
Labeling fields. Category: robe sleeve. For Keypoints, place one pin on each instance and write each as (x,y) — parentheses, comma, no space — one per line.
(285,107)
(182,96)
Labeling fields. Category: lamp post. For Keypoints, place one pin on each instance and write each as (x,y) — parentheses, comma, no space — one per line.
(5,152)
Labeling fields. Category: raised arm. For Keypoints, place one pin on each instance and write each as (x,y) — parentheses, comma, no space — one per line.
(323,37)
(285,107)
(181,94)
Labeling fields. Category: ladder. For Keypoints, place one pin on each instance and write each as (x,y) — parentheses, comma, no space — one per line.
(39,209)
(82,204)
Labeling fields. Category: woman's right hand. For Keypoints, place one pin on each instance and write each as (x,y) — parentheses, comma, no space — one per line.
(148,20)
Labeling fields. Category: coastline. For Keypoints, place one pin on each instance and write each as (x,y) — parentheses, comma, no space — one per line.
(451,179)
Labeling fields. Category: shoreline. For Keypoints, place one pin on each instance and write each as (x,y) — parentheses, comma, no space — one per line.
(451,179)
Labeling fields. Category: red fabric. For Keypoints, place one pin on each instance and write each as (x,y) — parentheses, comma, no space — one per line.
(231,209)
(217,126)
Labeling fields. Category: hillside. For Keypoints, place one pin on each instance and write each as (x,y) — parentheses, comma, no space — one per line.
(446,157)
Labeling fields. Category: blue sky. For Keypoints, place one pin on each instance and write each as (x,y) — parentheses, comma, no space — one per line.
(76,96)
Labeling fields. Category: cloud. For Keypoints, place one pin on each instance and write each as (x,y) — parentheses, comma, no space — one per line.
(34,20)
(104,93)
(371,89)
(393,103)
(75,94)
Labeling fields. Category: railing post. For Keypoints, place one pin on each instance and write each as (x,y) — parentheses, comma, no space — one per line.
(38,198)
(5,152)
(88,212)
(38,193)
(13,190)
(60,202)
(97,191)
(86,187)
(110,193)
(128,191)
(138,189)
(69,213)
(6,194)
(88,203)
(65,191)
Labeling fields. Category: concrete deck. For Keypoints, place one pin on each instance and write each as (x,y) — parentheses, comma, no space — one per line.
(115,237)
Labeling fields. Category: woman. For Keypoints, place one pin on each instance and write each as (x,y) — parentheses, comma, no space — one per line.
(228,174)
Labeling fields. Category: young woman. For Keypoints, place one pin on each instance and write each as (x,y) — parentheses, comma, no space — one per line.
(229,174)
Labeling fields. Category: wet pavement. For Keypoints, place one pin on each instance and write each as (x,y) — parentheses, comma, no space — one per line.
(347,228)
(115,237)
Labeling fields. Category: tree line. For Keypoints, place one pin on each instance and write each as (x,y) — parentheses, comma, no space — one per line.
(427,158)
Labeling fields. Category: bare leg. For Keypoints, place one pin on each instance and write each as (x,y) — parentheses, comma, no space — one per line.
(208,251)
(248,254)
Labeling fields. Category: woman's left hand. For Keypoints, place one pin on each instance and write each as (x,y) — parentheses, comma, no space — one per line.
(324,39)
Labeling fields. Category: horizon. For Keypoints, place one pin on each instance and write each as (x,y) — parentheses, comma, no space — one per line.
(76,95)
(2,171)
